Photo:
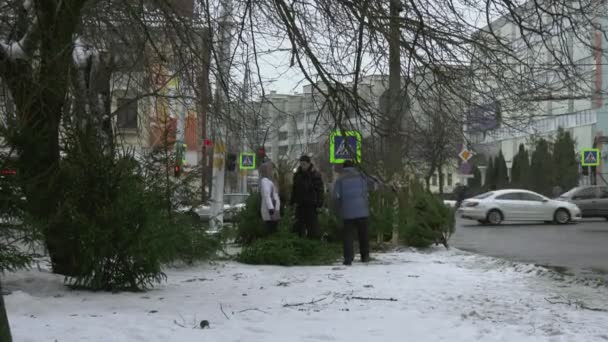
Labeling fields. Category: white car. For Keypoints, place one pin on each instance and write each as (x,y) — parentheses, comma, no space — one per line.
(517,205)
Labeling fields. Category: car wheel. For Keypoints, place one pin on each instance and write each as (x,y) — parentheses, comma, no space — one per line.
(562,216)
(494,217)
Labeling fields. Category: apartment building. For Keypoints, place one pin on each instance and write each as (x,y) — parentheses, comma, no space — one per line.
(576,103)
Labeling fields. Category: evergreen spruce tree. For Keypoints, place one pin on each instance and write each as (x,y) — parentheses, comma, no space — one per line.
(475,182)
(501,171)
(490,175)
(541,175)
(521,168)
(565,163)
(515,173)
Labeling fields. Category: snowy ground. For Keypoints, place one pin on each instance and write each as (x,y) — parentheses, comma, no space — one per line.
(439,296)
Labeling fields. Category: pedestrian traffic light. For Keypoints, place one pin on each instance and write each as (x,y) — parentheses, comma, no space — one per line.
(231,162)
(177,171)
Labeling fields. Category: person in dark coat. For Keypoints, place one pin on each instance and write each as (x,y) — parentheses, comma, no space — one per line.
(307,197)
(461,194)
(351,200)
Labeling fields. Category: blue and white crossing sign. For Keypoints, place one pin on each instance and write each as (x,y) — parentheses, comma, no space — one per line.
(590,157)
(247,161)
(344,146)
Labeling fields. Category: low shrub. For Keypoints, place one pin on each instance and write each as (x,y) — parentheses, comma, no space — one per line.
(124,228)
(19,236)
(284,248)
(428,221)
(249,224)
(330,226)
(290,251)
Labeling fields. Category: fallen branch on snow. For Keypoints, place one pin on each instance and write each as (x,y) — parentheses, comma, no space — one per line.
(222,308)
(374,298)
(254,309)
(287,305)
(578,303)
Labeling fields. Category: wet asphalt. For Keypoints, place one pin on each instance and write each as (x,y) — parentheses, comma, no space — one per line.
(580,249)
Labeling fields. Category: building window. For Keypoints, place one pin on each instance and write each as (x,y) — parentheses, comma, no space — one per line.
(126,113)
(434,180)
(283,136)
(283,150)
(450,179)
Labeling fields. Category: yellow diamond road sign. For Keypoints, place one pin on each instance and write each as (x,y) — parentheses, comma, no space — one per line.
(465,154)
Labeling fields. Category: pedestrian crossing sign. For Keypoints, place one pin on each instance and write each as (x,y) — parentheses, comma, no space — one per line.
(590,157)
(344,146)
(247,161)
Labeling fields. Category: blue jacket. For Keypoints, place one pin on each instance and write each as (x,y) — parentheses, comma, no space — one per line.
(351,195)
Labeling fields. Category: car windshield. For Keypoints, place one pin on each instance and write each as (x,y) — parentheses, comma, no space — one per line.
(484,195)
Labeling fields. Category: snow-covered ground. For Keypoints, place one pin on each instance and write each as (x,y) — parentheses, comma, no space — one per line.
(402,296)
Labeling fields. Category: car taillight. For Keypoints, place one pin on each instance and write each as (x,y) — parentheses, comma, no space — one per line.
(471,204)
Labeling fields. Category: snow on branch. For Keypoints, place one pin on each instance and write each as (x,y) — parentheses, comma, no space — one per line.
(81,53)
(21,49)
(12,51)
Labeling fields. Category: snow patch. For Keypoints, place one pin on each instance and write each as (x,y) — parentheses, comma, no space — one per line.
(421,296)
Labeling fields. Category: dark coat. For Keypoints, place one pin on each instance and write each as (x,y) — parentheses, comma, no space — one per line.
(307,190)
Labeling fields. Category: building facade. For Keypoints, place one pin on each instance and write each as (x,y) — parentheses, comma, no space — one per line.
(577,103)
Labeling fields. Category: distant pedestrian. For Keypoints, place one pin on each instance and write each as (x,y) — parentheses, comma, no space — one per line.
(557,191)
(271,202)
(461,193)
(351,200)
(307,197)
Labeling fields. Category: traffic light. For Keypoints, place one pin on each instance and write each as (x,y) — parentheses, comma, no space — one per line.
(261,155)
(177,171)
(231,162)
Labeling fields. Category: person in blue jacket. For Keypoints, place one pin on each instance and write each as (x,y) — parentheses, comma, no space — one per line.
(351,200)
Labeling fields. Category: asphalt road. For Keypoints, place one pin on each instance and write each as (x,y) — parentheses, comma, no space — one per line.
(581,248)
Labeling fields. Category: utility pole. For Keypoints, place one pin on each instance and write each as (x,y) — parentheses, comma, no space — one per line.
(204,96)
(222,103)
(392,155)
(245,98)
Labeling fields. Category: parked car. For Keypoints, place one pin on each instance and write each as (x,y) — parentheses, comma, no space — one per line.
(517,205)
(592,199)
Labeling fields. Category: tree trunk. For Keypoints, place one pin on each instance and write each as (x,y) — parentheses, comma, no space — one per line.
(440,179)
(5,330)
(39,89)
(393,157)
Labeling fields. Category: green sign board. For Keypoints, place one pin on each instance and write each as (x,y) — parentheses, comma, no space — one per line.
(590,157)
(344,146)
(247,161)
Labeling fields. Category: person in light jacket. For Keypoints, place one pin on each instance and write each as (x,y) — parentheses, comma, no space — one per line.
(271,202)
(351,201)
